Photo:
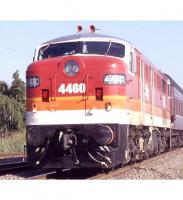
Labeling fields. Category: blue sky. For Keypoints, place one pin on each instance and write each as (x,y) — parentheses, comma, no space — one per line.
(160,41)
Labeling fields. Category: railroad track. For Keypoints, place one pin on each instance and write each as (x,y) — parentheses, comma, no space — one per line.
(16,164)
(66,174)
(39,174)
(10,162)
(11,155)
(7,167)
(90,174)
(87,174)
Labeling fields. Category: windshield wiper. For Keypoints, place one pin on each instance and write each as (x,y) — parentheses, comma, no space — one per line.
(46,47)
(110,42)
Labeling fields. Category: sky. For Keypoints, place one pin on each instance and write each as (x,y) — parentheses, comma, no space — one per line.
(160,41)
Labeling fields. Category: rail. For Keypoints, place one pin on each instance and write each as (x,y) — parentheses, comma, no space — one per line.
(13,165)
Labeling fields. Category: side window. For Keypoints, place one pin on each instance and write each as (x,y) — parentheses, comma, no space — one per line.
(132,67)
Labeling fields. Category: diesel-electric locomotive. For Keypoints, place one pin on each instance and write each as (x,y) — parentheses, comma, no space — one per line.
(95,101)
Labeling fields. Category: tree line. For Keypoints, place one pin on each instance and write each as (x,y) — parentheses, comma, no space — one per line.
(12,105)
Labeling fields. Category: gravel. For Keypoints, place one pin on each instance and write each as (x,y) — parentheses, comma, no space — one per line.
(10,177)
(163,167)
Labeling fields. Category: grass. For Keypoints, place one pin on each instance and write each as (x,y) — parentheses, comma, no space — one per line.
(13,143)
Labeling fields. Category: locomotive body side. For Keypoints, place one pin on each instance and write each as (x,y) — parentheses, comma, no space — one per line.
(150,88)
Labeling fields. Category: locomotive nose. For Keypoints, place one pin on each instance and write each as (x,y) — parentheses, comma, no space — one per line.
(71,76)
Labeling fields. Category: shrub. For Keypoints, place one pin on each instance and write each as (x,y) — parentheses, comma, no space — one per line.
(13,143)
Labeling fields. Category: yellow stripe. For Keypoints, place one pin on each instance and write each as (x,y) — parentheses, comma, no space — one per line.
(107,97)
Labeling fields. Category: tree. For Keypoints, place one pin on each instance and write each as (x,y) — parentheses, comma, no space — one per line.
(4,90)
(12,105)
(17,89)
(11,116)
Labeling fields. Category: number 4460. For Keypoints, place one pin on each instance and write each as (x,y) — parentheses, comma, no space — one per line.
(72,88)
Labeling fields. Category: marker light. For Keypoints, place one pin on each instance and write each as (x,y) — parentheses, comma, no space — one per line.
(71,68)
(79,28)
(92,29)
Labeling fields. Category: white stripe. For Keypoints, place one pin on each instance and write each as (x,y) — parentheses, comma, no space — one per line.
(77,117)
(119,116)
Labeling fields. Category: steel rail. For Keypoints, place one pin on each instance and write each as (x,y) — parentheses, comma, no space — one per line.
(13,165)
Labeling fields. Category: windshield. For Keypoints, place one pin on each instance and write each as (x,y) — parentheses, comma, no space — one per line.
(85,47)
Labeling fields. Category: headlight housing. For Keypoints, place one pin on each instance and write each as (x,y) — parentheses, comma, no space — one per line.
(71,68)
(32,81)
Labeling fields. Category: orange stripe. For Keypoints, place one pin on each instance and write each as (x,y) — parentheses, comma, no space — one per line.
(78,103)
(75,103)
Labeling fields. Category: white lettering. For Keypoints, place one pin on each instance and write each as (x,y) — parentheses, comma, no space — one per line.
(72,88)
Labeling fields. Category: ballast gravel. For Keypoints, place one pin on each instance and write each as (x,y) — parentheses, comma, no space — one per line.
(168,166)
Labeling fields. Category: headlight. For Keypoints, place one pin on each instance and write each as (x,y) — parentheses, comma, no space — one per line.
(105,135)
(71,68)
(32,81)
(114,79)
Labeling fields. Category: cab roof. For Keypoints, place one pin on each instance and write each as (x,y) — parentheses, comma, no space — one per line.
(80,36)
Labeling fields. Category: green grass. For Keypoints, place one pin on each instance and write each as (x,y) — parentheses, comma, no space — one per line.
(13,144)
